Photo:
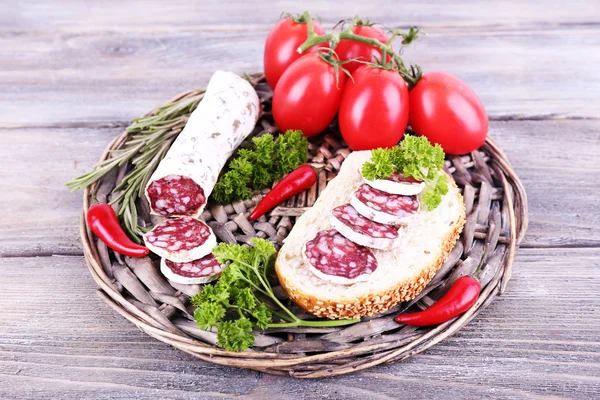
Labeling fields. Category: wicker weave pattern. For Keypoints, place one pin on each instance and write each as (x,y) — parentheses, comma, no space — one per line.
(496,207)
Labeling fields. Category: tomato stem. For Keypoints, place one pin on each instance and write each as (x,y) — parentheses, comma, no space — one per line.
(314,39)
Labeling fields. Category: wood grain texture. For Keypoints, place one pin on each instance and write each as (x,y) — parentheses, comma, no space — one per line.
(74,15)
(36,163)
(111,76)
(67,343)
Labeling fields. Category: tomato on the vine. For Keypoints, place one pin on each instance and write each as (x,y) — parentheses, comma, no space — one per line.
(374,109)
(348,49)
(282,44)
(448,112)
(308,95)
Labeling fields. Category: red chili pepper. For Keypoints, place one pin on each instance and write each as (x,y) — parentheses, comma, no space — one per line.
(103,221)
(300,179)
(461,296)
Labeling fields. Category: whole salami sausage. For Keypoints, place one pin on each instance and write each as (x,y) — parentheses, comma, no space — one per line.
(204,270)
(186,176)
(382,207)
(334,258)
(347,221)
(181,239)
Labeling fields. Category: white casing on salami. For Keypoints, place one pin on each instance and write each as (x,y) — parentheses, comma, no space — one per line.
(170,275)
(401,188)
(335,258)
(224,118)
(382,243)
(181,255)
(340,280)
(378,216)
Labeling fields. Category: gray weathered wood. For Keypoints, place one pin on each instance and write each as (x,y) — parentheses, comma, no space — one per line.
(72,73)
(155,15)
(104,77)
(66,342)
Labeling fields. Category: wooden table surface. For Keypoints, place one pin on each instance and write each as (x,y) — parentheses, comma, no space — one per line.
(73,73)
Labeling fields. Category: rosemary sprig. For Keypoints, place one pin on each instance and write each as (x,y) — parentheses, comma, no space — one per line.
(149,139)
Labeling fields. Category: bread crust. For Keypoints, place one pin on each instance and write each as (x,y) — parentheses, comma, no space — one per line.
(375,302)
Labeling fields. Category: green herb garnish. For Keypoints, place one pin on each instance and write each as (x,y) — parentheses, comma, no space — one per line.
(243,298)
(415,157)
(260,165)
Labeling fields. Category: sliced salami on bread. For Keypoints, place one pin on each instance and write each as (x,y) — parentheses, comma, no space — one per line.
(337,259)
(382,207)
(181,239)
(401,272)
(363,231)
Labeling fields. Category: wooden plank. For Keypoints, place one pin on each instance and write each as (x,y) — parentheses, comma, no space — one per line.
(58,337)
(112,76)
(156,15)
(35,165)
(58,340)
(560,175)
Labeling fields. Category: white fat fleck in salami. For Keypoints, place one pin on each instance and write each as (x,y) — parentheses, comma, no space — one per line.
(181,240)
(347,221)
(204,270)
(398,184)
(334,258)
(382,207)
(185,178)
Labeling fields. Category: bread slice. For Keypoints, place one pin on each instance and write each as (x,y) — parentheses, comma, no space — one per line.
(401,273)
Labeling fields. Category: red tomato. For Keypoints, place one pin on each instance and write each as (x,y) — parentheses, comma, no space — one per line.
(447,111)
(282,45)
(308,95)
(374,109)
(348,49)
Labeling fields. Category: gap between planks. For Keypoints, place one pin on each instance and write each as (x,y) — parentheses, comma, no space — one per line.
(124,124)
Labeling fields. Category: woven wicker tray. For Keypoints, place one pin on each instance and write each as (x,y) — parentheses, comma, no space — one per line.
(496,208)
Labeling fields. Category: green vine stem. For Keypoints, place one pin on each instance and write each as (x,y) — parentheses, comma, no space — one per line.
(305,323)
(411,76)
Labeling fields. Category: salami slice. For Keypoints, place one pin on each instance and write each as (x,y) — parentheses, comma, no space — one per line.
(347,221)
(382,207)
(185,178)
(398,184)
(181,240)
(204,270)
(334,258)
(175,194)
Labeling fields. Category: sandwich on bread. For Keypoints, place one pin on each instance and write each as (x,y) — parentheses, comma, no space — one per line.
(327,274)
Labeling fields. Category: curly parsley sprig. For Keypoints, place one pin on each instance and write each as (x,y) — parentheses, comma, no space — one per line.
(260,165)
(236,304)
(415,157)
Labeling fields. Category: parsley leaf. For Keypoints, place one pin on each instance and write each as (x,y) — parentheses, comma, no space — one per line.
(380,166)
(291,151)
(257,167)
(263,316)
(209,315)
(236,303)
(235,335)
(434,191)
(415,157)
